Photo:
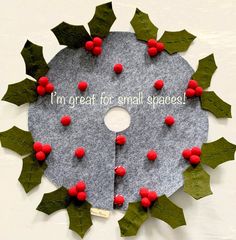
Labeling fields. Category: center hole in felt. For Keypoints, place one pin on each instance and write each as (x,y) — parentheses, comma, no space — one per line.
(117,119)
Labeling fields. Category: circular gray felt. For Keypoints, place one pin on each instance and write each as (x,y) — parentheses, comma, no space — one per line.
(147,130)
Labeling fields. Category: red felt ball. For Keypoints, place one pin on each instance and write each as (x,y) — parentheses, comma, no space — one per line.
(196,151)
(145,202)
(97,51)
(186,153)
(159,84)
(143,192)
(79,152)
(37,146)
(160,46)
(118,68)
(97,41)
(46,148)
(72,191)
(151,43)
(152,196)
(120,140)
(40,156)
(192,84)
(43,81)
(81,186)
(66,120)
(89,45)
(49,88)
(119,200)
(190,92)
(152,52)
(41,90)
(151,155)
(198,91)
(169,120)
(82,86)
(194,159)
(81,196)
(120,171)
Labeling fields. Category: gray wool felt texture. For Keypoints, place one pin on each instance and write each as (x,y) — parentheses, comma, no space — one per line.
(147,130)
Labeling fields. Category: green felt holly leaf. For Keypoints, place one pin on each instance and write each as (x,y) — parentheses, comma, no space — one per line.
(212,103)
(205,71)
(17,140)
(143,27)
(53,201)
(197,182)
(80,218)
(32,172)
(102,20)
(71,35)
(21,92)
(134,217)
(167,211)
(35,64)
(177,41)
(217,152)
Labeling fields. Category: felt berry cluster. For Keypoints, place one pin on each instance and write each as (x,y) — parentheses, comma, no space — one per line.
(192,155)
(41,150)
(119,200)
(154,47)
(44,86)
(78,191)
(94,46)
(193,89)
(147,197)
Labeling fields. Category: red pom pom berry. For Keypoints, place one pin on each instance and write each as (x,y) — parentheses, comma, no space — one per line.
(40,156)
(169,120)
(194,159)
(43,81)
(152,52)
(120,171)
(143,192)
(89,45)
(198,91)
(72,191)
(151,43)
(79,152)
(82,86)
(120,140)
(119,200)
(145,202)
(97,51)
(192,84)
(97,41)
(190,92)
(81,196)
(66,120)
(159,84)
(49,88)
(47,148)
(160,46)
(81,186)
(152,155)
(118,68)
(186,153)
(196,151)
(41,90)
(37,146)
(152,196)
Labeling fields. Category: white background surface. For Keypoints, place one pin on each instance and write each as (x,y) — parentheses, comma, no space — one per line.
(213,21)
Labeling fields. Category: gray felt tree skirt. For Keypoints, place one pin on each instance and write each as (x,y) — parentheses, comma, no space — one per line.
(146,131)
